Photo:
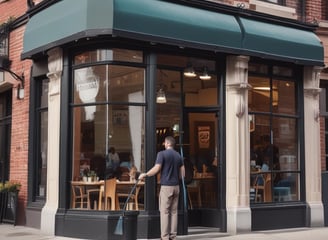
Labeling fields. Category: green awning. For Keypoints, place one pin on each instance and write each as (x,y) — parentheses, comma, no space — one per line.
(280,42)
(67,21)
(168,23)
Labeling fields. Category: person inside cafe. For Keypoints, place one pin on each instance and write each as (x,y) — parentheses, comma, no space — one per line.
(170,164)
(112,163)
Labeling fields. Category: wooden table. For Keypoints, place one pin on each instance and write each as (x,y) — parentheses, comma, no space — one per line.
(85,184)
(88,188)
(123,188)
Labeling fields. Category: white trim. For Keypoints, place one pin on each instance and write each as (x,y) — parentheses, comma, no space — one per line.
(273,9)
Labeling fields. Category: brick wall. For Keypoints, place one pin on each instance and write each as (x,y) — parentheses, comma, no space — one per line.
(12,8)
(20,115)
(20,108)
(313,10)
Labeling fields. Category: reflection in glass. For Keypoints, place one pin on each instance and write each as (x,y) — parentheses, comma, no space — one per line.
(42,148)
(107,83)
(43,160)
(259,96)
(116,54)
(284,99)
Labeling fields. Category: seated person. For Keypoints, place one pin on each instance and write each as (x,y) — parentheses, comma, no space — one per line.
(265,167)
(133,173)
(113,158)
(127,163)
(260,177)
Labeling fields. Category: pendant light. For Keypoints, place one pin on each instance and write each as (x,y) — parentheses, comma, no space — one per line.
(161,98)
(205,76)
(189,71)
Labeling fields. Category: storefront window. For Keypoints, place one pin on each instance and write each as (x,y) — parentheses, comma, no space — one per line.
(108,120)
(275,169)
(40,187)
(324,121)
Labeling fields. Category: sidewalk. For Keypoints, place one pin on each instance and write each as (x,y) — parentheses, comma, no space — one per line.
(10,232)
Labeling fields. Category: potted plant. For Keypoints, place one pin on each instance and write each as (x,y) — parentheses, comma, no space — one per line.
(10,186)
(86,174)
(93,176)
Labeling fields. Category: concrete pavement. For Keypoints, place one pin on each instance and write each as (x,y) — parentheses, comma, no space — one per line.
(10,232)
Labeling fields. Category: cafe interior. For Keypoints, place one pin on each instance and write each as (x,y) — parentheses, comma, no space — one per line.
(186,89)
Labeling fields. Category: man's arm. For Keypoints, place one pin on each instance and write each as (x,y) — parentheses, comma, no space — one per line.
(151,172)
(182,171)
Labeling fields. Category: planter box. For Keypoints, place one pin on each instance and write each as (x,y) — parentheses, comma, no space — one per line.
(8,207)
(3,197)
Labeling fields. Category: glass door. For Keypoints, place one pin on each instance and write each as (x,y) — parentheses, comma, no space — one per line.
(201,134)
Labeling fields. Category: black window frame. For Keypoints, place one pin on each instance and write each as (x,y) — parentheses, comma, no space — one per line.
(324,114)
(34,156)
(5,120)
(295,77)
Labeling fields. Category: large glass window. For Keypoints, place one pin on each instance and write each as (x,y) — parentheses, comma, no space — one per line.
(275,168)
(324,122)
(108,128)
(42,145)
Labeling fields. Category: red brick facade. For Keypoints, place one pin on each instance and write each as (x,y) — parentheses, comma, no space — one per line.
(20,108)
(313,10)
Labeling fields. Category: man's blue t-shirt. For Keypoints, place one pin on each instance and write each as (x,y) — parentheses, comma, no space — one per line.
(170,161)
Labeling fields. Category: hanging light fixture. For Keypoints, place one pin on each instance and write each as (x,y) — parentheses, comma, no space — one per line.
(161,98)
(5,67)
(189,71)
(205,76)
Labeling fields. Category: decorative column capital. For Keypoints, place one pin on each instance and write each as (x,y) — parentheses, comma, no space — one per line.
(238,66)
(312,87)
(312,81)
(55,66)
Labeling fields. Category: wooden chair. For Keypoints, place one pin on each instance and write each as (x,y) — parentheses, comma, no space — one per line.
(264,187)
(109,195)
(194,190)
(79,197)
(267,188)
(94,191)
(133,198)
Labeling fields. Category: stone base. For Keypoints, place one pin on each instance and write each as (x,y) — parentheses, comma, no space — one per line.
(48,220)
(238,220)
(316,214)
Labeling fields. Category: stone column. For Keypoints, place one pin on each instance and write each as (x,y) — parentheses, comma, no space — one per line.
(55,66)
(312,145)
(237,146)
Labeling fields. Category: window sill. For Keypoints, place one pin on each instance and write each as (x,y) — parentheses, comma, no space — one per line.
(272,9)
